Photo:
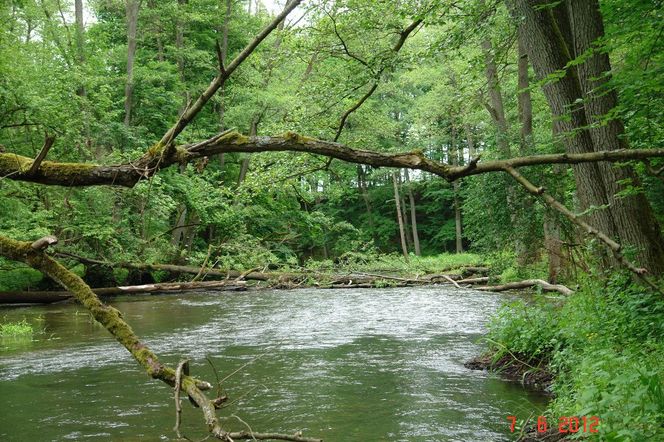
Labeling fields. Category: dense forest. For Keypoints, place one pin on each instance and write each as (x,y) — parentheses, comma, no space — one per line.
(328,136)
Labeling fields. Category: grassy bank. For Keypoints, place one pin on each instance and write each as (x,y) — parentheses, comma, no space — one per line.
(605,348)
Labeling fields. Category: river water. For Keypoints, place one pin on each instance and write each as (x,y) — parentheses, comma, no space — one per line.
(343,365)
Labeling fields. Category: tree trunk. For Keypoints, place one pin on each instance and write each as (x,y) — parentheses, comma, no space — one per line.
(404,215)
(530,244)
(402,232)
(555,35)
(178,234)
(224,54)
(179,45)
(253,130)
(413,215)
(456,155)
(544,30)
(362,184)
(496,107)
(472,151)
(525,104)
(131,9)
(553,245)
(80,40)
(634,219)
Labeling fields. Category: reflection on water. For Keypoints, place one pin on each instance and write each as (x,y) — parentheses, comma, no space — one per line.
(344,365)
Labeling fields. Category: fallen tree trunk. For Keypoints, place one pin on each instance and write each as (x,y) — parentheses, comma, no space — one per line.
(47,297)
(527,284)
(280,279)
(172,268)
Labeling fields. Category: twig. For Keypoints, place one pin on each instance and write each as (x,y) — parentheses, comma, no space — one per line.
(245,424)
(207,258)
(242,368)
(178,385)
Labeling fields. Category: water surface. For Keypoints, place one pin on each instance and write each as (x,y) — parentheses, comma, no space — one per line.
(343,365)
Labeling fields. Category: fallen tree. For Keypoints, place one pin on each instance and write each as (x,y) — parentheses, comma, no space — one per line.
(528,283)
(48,297)
(17,167)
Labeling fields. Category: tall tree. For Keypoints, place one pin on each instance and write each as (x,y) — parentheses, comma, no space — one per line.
(131,13)
(413,214)
(556,35)
(80,39)
(456,157)
(402,229)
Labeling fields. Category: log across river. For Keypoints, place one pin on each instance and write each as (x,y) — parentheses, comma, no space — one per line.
(343,365)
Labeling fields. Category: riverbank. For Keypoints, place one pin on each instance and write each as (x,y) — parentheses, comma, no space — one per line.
(598,353)
(534,375)
(358,271)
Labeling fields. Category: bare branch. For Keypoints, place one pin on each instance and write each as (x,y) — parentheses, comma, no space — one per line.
(403,36)
(48,142)
(187,116)
(613,246)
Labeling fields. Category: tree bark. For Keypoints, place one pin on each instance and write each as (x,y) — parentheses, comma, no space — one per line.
(544,29)
(545,286)
(496,107)
(556,35)
(14,166)
(525,104)
(404,214)
(402,232)
(362,184)
(456,155)
(470,140)
(80,40)
(224,54)
(131,10)
(634,219)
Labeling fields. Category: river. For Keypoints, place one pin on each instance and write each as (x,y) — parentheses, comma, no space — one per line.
(343,365)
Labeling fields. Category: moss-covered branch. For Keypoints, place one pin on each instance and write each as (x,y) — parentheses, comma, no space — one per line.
(16,167)
(34,255)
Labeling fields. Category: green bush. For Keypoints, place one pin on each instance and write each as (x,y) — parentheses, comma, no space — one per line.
(606,346)
(19,279)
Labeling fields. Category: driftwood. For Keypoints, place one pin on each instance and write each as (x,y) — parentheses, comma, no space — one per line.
(479,280)
(47,297)
(527,284)
(280,279)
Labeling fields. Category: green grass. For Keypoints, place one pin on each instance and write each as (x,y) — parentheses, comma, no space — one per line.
(395,263)
(16,329)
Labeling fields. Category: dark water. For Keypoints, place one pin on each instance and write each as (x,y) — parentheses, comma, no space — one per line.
(344,365)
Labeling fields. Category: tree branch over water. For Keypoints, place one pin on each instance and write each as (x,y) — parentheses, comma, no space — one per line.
(16,167)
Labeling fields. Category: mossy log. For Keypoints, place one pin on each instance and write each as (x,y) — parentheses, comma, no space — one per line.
(17,167)
(34,254)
